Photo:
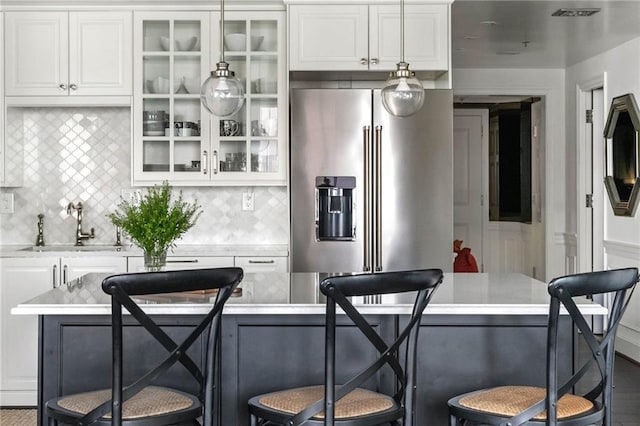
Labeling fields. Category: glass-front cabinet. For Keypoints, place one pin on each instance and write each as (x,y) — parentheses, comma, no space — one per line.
(251,146)
(175,138)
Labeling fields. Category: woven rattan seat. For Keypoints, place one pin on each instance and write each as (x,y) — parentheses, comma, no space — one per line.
(145,396)
(511,400)
(368,396)
(359,402)
(555,404)
(151,401)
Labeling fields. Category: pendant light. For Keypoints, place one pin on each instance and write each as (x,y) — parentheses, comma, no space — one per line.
(402,93)
(222,94)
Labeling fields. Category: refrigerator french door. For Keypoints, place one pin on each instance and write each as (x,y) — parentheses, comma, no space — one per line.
(369,191)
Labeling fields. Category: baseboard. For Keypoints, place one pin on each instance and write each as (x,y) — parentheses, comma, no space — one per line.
(18,398)
(628,348)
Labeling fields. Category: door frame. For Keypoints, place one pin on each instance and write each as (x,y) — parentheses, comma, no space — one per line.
(584,232)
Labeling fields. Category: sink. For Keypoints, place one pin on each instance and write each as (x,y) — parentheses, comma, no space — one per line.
(74,248)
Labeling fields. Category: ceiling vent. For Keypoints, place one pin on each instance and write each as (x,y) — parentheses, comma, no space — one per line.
(576,12)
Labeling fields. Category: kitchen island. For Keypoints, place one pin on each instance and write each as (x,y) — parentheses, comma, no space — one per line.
(479,330)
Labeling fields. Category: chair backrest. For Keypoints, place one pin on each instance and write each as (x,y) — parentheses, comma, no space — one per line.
(338,289)
(122,287)
(620,284)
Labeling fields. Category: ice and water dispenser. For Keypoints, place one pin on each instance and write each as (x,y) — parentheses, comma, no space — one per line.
(335,208)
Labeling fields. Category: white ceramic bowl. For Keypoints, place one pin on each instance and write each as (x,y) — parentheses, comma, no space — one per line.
(187,45)
(160,85)
(164,43)
(192,84)
(256,42)
(235,41)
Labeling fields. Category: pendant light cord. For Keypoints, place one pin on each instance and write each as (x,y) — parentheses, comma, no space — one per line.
(401,30)
(221,30)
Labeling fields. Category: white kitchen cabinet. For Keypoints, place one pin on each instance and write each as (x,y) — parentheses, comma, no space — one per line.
(23,279)
(251,264)
(74,267)
(367,37)
(68,53)
(175,138)
(136,263)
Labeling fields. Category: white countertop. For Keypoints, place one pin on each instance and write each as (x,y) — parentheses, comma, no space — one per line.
(298,293)
(127,250)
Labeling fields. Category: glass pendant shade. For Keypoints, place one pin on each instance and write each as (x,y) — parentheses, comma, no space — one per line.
(222,94)
(402,93)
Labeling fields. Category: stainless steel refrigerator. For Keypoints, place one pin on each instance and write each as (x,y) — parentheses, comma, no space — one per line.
(369,191)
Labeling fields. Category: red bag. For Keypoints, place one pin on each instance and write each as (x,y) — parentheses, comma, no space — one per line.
(464,262)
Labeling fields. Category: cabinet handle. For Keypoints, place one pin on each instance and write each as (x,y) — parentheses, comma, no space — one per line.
(262,261)
(62,86)
(205,167)
(55,276)
(183,261)
(374,61)
(64,275)
(73,86)
(364,61)
(215,162)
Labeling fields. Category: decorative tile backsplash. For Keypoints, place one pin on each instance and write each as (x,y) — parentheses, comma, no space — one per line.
(84,154)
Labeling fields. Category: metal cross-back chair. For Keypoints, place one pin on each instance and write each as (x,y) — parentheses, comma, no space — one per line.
(349,404)
(555,404)
(139,402)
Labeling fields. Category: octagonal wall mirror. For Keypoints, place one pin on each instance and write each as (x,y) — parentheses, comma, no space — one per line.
(622,148)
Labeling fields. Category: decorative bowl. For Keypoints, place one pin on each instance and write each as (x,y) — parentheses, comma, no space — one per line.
(160,85)
(235,41)
(187,45)
(256,42)
(164,43)
(192,84)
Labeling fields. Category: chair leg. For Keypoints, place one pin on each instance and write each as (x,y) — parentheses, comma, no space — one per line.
(52,422)
(254,420)
(453,420)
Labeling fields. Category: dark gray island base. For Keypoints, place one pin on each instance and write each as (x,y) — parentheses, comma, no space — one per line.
(462,346)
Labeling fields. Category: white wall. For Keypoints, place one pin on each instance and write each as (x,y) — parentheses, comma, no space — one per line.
(548,83)
(621,234)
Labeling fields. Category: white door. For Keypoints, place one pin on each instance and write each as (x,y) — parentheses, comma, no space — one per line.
(329,37)
(37,51)
(470,152)
(597,179)
(100,53)
(22,279)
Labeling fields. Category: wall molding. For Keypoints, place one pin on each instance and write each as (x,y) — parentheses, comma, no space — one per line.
(623,249)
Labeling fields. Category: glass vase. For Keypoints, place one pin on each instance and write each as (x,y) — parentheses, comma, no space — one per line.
(155,261)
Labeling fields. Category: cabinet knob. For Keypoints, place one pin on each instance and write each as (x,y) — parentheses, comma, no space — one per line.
(364,61)
(62,86)
(374,61)
(73,86)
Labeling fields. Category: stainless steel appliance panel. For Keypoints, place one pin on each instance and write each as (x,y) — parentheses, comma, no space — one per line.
(326,140)
(417,185)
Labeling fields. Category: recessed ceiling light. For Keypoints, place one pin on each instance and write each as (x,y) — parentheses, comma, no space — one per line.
(460,49)
(508,52)
(576,12)
(470,37)
(489,23)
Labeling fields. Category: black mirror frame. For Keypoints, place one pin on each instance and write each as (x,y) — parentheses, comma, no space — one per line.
(618,104)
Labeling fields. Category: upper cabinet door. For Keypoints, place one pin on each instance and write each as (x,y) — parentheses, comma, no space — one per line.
(36,53)
(329,37)
(100,53)
(426,29)
(68,53)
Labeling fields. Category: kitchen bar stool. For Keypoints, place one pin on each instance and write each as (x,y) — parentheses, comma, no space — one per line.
(138,402)
(555,404)
(349,404)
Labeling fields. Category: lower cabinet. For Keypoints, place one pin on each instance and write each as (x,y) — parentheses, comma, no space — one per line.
(21,280)
(136,264)
(262,263)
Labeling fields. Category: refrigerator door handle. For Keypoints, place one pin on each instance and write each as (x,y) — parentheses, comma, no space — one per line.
(367,255)
(378,199)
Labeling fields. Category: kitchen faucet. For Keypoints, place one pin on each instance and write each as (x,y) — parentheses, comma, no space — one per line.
(79,234)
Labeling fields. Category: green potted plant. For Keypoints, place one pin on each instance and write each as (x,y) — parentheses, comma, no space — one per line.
(155,222)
